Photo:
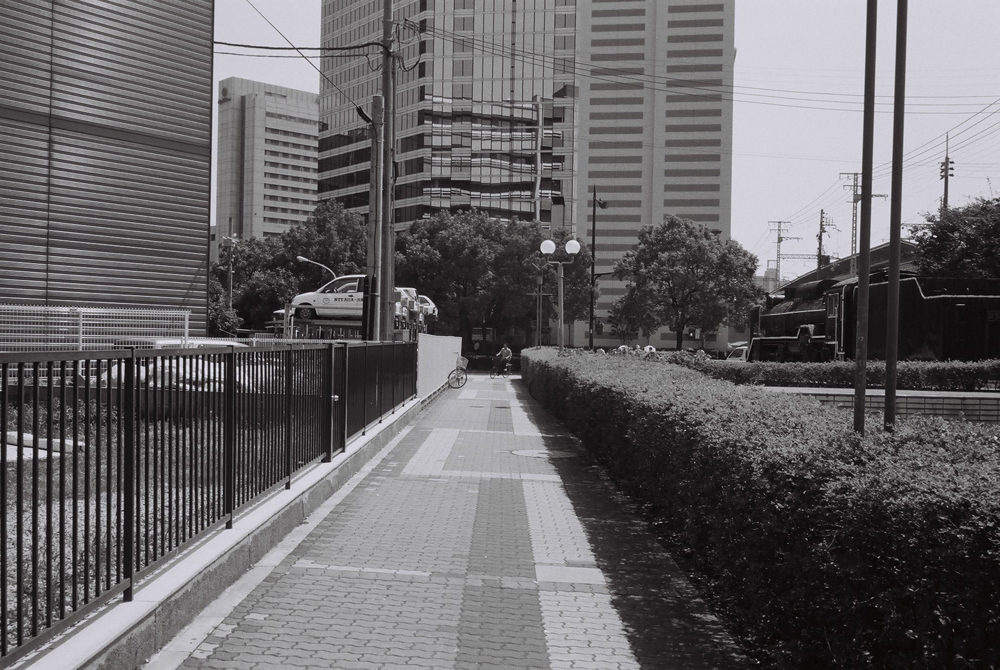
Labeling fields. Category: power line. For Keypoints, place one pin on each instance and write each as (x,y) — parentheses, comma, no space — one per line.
(652,82)
(357,107)
(299,49)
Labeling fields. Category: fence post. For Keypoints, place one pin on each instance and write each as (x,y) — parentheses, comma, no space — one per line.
(380,380)
(343,401)
(393,378)
(289,361)
(131,508)
(364,405)
(229,428)
(329,401)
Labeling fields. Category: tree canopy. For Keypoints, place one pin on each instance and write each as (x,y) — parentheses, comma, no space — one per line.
(683,275)
(961,241)
(267,274)
(482,271)
(478,270)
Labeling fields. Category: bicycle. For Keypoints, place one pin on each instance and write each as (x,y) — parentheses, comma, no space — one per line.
(458,376)
(501,370)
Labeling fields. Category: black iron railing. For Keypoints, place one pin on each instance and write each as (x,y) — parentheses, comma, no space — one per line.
(116,460)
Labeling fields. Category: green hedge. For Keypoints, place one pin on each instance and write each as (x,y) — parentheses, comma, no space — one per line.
(911,375)
(829,550)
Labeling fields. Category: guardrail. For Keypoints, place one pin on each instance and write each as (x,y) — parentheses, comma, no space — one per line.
(116,460)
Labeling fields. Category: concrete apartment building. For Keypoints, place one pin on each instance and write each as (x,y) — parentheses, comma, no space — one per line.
(267,158)
(105,132)
(525,107)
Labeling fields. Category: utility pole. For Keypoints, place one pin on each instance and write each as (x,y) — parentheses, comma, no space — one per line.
(387,280)
(779,227)
(372,328)
(231,246)
(824,223)
(946,171)
(856,192)
(895,219)
(593,258)
(864,253)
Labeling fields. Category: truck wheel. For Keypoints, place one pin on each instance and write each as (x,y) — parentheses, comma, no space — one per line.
(305,313)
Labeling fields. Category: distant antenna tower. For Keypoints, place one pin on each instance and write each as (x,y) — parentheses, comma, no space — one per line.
(856,190)
(779,227)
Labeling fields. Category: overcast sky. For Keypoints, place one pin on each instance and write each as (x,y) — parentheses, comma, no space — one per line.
(799,84)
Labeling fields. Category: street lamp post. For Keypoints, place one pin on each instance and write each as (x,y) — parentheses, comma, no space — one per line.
(303,259)
(593,258)
(572,248)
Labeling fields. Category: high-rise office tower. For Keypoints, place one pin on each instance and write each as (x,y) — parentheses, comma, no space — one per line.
(105,133)
(525,107)
(267,146)
(655,130)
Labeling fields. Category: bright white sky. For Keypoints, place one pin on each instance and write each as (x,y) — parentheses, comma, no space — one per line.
(797,119)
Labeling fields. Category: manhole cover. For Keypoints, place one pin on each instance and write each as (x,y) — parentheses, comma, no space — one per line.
(543,453)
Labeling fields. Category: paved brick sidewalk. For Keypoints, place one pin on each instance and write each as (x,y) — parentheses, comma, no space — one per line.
(482,537)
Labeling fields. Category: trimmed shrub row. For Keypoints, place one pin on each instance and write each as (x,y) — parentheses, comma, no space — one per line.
(828,550)
(911,375)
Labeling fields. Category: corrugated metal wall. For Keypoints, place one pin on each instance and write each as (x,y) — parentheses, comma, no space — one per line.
(105,153)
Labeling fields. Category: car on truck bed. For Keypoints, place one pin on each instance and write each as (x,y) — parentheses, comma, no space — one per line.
(341,298)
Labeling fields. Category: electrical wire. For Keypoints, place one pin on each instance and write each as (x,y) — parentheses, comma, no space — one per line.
(307,57)
(299,50)
(739,94)
(357,107)
(662,84)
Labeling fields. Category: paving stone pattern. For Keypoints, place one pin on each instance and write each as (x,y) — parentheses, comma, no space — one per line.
(477,542)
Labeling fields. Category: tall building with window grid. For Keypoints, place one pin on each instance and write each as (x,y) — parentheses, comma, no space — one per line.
(267,158)
(525,107)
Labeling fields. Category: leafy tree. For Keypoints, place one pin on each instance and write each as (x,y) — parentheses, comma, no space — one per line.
(221,319)
(331,236)
(630,315)
(481,271)
(682,275)
(261,293)
(961,241)
(267,273)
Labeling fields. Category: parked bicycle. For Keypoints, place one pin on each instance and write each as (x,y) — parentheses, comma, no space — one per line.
(458,376)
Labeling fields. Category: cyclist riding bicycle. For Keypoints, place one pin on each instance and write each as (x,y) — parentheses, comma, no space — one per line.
(502,359)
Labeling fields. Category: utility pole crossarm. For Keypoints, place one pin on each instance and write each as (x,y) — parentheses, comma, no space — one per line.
(855,187)
(779,227)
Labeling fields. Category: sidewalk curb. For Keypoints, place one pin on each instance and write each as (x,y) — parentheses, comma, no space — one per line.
(124,635)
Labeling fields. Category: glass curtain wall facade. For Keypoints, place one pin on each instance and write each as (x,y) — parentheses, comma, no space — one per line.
(486,106)
(105,130)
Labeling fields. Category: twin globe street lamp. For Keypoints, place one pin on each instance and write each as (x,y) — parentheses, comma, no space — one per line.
(548,248)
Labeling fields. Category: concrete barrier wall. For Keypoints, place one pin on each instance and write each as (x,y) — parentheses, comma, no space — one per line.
(436,357)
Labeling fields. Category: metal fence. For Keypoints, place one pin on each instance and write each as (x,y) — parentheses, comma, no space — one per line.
(45,328)
(116,460)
